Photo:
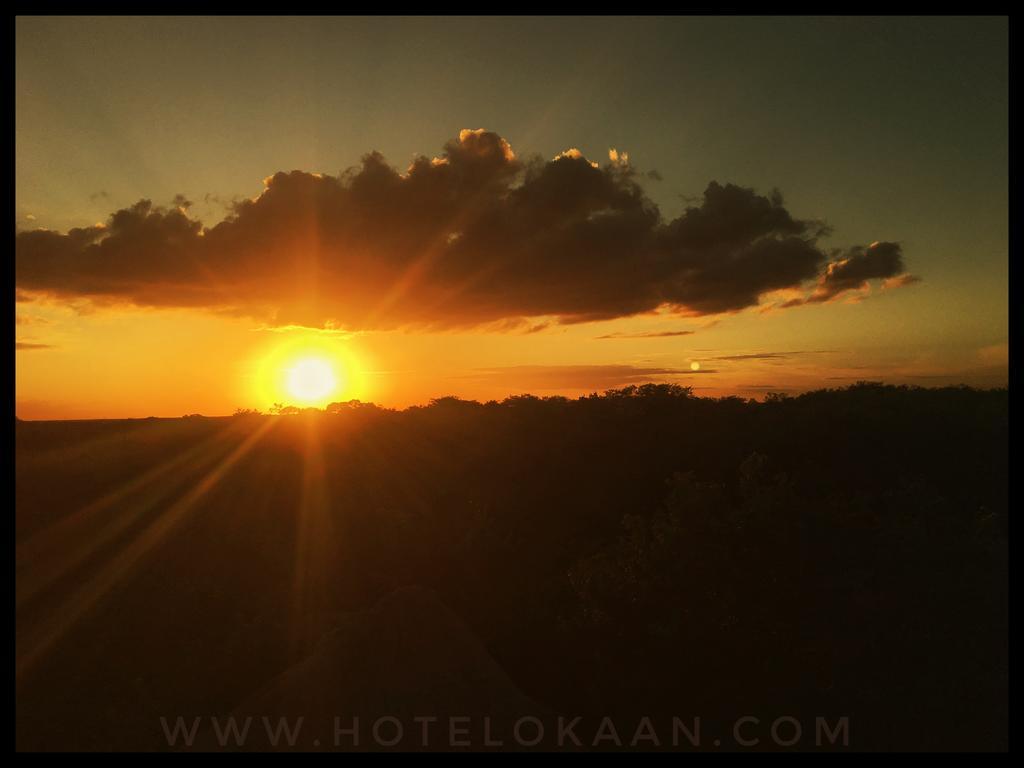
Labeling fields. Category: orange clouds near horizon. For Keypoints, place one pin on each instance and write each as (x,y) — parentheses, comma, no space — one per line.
(479,273)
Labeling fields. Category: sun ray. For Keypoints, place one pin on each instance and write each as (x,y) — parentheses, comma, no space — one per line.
(311,370)
(58,549)
(34,641)
(310,583)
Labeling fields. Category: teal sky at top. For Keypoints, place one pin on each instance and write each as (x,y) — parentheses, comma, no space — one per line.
(888,128)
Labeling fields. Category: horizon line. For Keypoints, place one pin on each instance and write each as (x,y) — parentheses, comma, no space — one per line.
(293,410)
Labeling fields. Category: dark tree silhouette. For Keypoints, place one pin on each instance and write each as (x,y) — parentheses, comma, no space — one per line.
(639,552)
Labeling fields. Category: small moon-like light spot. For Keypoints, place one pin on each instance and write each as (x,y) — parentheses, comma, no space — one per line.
(695,366)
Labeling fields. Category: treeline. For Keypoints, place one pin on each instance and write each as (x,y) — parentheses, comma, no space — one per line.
(641,552)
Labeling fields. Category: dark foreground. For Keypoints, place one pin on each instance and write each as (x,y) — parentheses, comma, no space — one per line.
(644,554)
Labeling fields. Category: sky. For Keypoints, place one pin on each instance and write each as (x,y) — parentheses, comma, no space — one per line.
(483,207)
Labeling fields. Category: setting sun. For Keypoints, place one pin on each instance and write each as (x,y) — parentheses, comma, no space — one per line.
(306,372)
(311,379)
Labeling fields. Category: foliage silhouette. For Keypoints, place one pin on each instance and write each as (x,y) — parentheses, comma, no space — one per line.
(639,552)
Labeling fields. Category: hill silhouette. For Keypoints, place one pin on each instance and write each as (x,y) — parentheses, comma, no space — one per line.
(638,553)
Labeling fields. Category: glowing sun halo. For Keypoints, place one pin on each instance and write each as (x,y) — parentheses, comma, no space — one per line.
(307,371)
(694,366)
(311,379)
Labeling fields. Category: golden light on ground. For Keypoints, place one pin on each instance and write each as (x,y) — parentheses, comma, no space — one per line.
(307,373)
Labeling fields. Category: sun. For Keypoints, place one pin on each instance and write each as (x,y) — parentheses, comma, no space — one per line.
(307,372)
(311,380)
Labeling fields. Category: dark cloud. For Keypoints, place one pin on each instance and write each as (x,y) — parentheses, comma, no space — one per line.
(854,268)
(790,303)
(597,377)
(476,235)
(645,335)
(27,345)
(772,355)
(516,325)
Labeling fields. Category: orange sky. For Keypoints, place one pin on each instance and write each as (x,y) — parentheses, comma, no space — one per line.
(789,203)
(133,363)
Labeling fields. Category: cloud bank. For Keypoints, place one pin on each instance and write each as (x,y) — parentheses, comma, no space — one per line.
(645,335)
(475,235)
(593,377)
(23,346)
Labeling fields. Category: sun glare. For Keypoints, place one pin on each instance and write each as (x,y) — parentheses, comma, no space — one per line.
(311,379)
(308,374)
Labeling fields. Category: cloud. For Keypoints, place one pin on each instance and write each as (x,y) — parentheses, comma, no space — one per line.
(899,281)
(325,331)
(515,325)
(853,270)
(644,335)
(594,377)
(772,355)
(995,354)
(475,235)
(537,328)
(27,345)
(30,320)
